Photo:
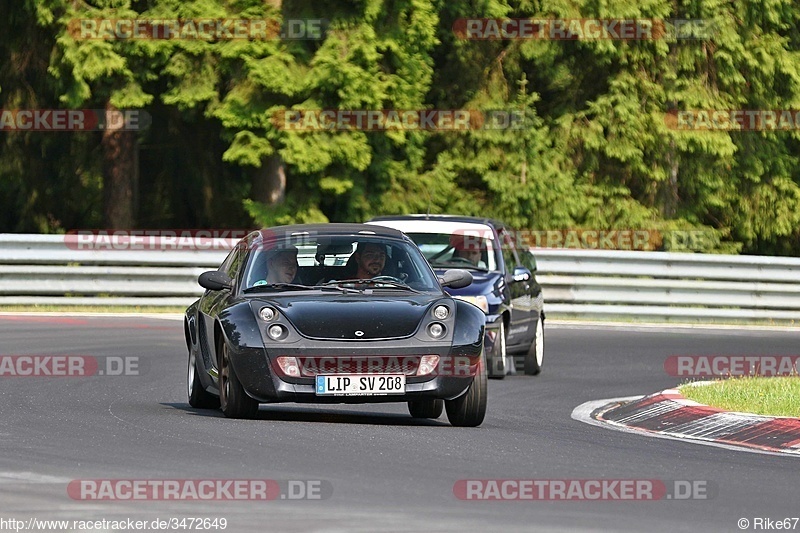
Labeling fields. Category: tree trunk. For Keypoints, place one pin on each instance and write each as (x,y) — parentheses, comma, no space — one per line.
(269,181)
(120,178)
(670,198)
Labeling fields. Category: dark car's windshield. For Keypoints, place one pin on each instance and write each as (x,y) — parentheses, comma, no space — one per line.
(449,250)
(367,262)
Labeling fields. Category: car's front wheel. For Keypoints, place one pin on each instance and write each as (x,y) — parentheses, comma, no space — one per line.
(535,356)
(426,408)
(469,409)
(198,396)
(234,401)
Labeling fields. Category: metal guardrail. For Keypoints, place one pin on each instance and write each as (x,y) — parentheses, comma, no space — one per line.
(658,286)
(669,286)
(56,270)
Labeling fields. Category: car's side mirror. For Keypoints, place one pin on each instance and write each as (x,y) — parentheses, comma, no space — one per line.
(456,278)
(521,274)
(214,280)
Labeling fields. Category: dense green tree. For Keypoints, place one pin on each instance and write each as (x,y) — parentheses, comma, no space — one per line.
(595,146)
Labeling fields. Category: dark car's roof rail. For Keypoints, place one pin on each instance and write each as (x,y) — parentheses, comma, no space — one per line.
(450,218)
(333,228)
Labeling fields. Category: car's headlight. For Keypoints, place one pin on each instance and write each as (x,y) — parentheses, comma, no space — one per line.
(436,330)
(276,332)
(441,312)
(478,301)
(267,313)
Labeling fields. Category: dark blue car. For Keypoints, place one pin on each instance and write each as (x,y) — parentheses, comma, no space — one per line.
(504,285)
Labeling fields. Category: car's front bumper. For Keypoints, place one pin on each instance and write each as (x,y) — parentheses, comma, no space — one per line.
(497,364)
(262,379)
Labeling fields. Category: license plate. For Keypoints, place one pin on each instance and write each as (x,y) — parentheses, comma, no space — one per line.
(361,384)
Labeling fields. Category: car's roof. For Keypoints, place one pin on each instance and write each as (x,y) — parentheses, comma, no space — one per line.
(327,229)
(447,226)
(449,218)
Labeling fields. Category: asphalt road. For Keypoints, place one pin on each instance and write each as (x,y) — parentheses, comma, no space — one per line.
(387,472)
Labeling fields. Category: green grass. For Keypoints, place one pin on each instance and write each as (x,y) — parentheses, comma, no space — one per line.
(88,309)
(775,396)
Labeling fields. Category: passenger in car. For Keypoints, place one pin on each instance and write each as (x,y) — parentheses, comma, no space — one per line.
(282,265)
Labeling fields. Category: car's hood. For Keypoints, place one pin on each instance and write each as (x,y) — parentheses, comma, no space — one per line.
(482,283)
(342,316)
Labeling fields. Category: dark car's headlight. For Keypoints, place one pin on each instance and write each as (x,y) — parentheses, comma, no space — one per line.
(267,313)
(277,332)
(441,312)
(273,326)
(438,323)
(479,301)
(436,330)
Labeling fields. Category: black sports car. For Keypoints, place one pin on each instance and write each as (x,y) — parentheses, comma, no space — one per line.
(335,313)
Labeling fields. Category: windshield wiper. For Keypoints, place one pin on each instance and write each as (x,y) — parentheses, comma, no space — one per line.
(378,280)
(329,287)
(279,287)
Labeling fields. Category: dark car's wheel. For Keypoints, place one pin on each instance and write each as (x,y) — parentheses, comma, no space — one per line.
(498,357)
(469,409)
(198,396)
(535,356)
(234,401)
(426,408)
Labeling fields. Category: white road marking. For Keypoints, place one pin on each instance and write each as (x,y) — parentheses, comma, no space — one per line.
(162,316)
(30,477)
(646,326)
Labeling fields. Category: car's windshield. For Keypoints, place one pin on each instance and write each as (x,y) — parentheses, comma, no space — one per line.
(368,262)
(456,250)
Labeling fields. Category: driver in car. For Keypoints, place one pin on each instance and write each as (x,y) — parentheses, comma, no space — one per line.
(370,259)
(468,248)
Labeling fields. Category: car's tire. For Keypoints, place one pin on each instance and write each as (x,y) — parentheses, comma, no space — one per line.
(426,408)
(498,353)
(199,398)
(234,401)
(534,359)
(469,409)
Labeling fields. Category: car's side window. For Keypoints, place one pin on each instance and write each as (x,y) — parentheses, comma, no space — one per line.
(509,252)
(227,262)
(233,262)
